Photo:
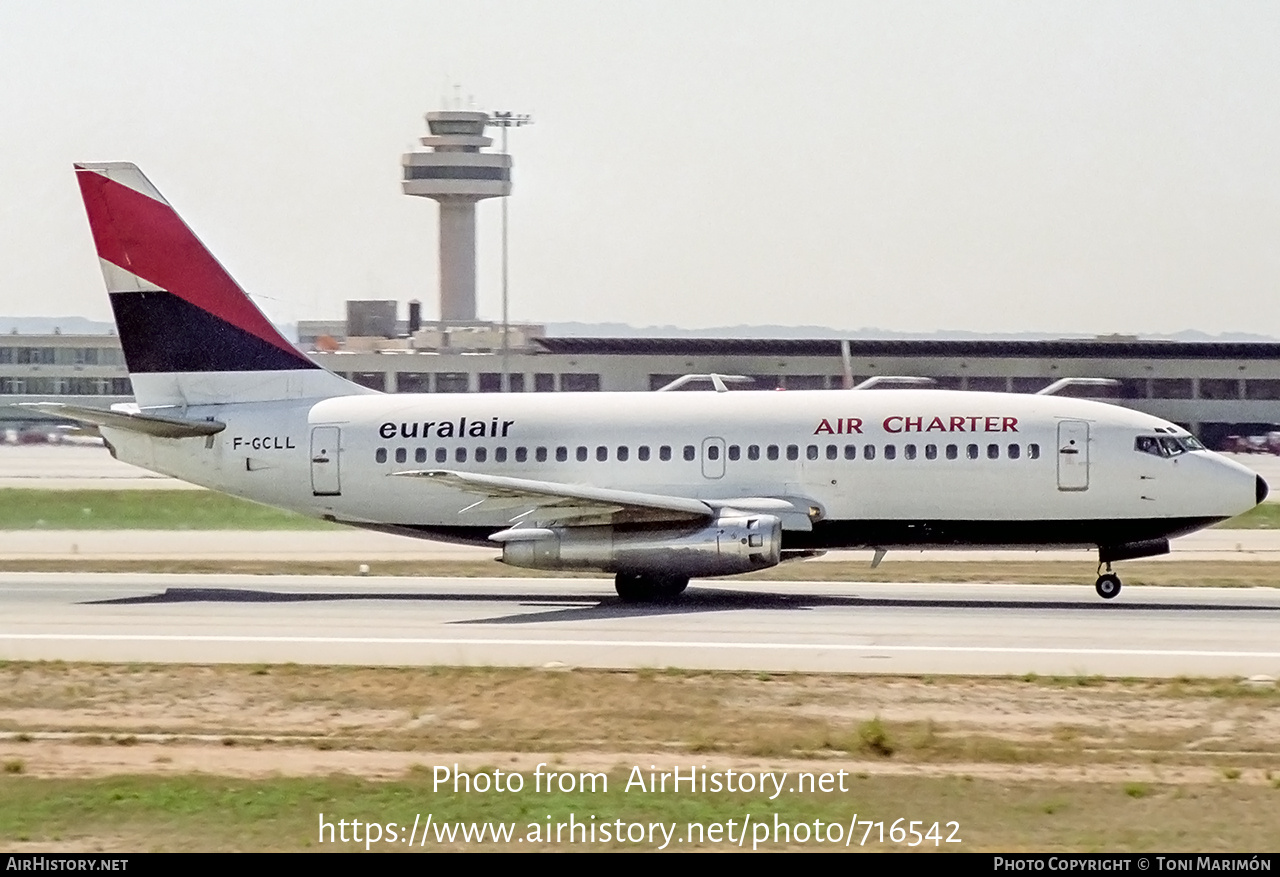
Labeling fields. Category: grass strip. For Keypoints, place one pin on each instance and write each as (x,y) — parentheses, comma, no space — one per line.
(26,509)
(204,813)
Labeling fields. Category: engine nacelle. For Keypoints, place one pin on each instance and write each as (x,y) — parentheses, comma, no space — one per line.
(733,544)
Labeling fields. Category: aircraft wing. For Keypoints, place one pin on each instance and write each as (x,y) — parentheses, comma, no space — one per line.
(548,502)
(149,424)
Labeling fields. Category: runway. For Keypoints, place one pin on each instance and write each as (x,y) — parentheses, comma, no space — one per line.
(776,626)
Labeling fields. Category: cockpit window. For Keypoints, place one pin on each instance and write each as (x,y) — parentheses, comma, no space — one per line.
(1149,444)
(1166,445)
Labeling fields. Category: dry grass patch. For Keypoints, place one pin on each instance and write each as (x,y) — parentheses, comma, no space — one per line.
(901,720)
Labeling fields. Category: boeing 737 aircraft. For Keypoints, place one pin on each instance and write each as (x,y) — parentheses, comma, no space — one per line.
(653,487)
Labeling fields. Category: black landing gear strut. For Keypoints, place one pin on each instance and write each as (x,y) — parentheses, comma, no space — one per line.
(1108,584)
(634,588)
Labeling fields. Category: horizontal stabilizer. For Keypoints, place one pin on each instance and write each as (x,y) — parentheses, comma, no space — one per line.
(147,424)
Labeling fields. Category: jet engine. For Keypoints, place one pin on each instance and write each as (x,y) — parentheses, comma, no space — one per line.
(732,544)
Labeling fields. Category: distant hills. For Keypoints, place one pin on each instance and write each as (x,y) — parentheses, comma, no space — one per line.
(82,326)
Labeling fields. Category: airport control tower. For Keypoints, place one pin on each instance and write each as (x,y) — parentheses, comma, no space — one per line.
(455,173)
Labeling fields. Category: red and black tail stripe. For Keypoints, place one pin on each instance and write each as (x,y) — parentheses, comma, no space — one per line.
(199,319)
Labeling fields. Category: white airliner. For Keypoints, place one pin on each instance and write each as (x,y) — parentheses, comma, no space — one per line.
(653,487)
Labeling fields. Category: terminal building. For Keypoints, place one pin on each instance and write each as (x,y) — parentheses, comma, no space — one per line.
(1215,389)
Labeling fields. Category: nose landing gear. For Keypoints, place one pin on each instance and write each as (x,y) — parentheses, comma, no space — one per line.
(1108,584)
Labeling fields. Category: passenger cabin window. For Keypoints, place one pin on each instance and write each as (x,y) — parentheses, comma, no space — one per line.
(690,452)
(381,455)
(602,453)
(869,452)
(581,454)
(753,452)
(664,453)
(931,452)
(1033,451)
(499,455)
(735,452)
(832,452)
(623,453)
(851,452)
(460,455)
(713,452)
(540,455)
(1015,451)
(441,455)
(420,455)
(793,452)
(482,454)
(909,451)
(972,452)
(562,454)
(993,452)
(811,452)
(401,455)
(771,452)
(952,452)
(522,454)
(643,453)
(890,452)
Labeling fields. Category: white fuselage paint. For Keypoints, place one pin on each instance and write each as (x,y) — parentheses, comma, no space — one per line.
(266,453)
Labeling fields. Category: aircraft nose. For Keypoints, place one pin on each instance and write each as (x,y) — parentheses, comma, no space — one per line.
(1262,490)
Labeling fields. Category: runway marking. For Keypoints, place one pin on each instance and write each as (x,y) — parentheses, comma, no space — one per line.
(810,647)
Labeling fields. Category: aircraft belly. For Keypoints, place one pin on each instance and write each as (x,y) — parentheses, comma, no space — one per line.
(1029,533)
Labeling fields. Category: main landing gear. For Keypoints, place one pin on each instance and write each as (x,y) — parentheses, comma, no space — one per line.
(649,589)
(1108,584)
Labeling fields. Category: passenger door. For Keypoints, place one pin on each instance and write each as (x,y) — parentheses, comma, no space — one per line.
(325,480)
(713,457)
(1073,455)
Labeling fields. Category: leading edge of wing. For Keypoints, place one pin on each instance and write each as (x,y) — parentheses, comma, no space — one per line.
(581,499)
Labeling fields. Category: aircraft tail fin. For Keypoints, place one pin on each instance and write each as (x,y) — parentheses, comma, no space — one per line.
(190,334)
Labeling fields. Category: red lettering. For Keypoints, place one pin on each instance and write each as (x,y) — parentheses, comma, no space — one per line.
(854,424)
(888,428)
(936,423)
(973,423)
(957,424)
(991,424)
(1010,425)
(824,427)
(913,424)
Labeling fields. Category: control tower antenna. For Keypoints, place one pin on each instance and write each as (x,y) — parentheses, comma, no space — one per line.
(456,174)
(505,121)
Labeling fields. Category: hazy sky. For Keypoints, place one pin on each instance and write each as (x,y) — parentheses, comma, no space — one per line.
(1022,166)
